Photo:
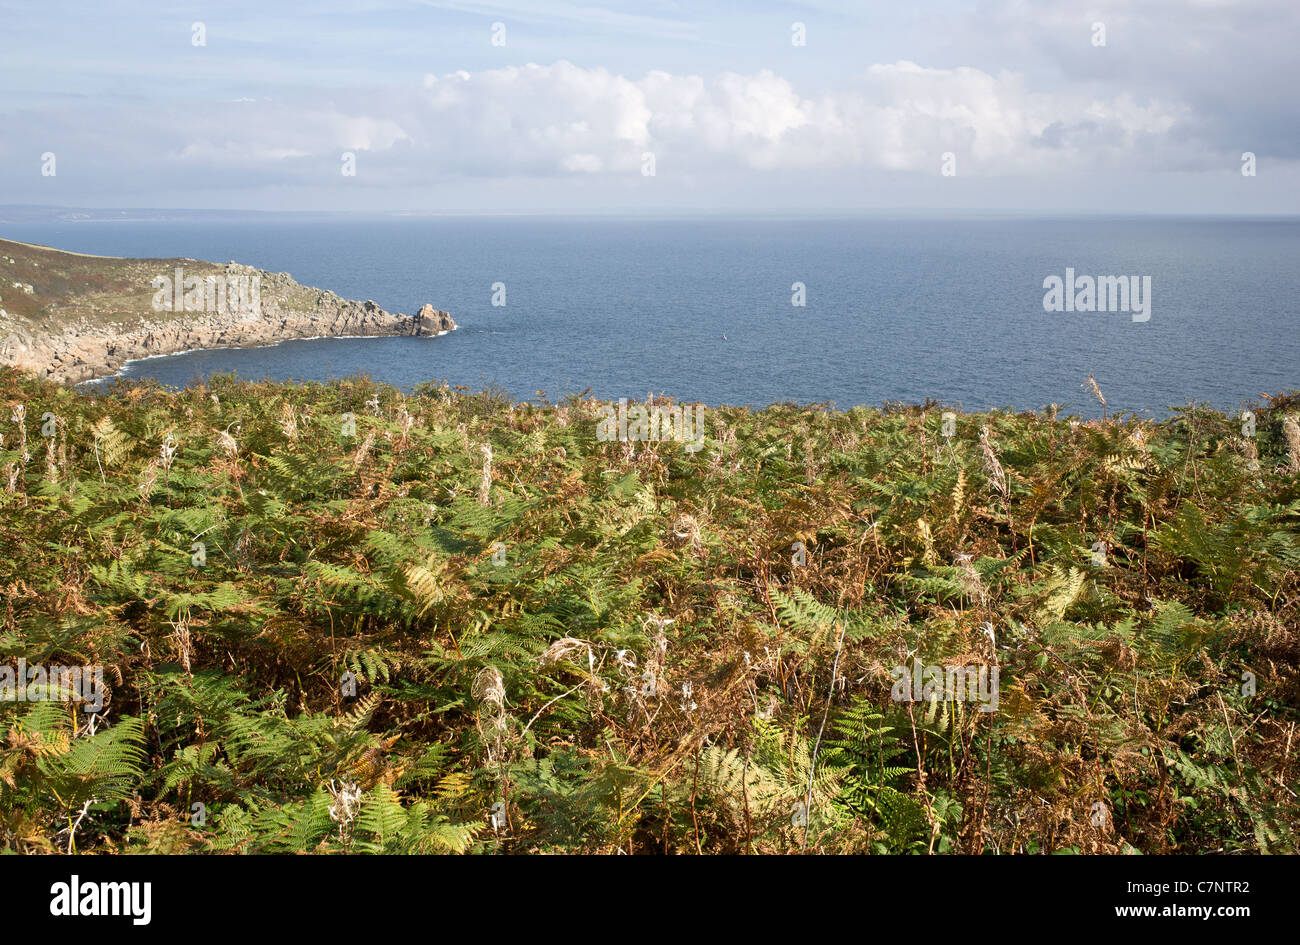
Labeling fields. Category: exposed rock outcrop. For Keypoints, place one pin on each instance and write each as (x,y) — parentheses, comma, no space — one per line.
(432,321)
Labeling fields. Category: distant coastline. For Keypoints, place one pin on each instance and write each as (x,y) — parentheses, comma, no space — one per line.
(73,317)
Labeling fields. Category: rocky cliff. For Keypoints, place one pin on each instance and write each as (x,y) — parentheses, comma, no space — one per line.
(73,318)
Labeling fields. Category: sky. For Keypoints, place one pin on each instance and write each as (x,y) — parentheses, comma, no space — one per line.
(1135,106)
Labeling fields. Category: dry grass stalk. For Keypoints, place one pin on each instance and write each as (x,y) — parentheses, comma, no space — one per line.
(485,480)
(997,476)
(1291,433)
(1091,384)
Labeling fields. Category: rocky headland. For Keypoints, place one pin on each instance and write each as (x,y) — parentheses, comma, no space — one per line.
(73,318)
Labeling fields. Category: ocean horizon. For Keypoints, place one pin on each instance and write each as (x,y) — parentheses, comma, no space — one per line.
(903,307)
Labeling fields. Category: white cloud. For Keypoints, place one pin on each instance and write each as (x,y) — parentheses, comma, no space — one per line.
(732,133)
(586,163)
(899,116)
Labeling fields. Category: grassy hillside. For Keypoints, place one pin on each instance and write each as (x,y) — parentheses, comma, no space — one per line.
(647,661)
(90,291)
(98,291)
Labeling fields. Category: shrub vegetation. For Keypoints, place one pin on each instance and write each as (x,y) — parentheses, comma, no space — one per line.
(344,618)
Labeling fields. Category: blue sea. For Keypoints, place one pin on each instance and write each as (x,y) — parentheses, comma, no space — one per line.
(897,309)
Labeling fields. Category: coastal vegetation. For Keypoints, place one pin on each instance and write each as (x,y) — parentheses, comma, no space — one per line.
(347,618)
